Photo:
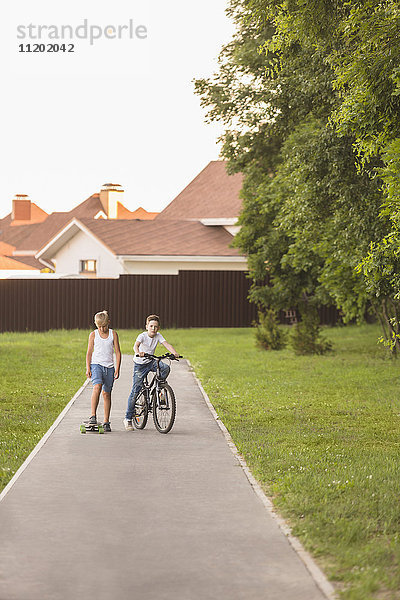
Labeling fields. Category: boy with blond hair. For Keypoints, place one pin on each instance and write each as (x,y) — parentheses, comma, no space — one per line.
(102,344)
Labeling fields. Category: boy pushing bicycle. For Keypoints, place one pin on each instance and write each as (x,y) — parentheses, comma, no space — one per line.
(146,343)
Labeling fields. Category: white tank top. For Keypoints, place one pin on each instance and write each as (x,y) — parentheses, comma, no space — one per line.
(103,349)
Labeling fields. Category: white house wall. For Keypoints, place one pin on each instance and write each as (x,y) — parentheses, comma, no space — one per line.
(138,267)
(83,247)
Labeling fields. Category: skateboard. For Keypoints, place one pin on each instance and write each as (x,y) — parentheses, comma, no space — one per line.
(86,426)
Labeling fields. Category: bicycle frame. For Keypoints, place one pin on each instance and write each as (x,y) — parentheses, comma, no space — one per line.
(155,381)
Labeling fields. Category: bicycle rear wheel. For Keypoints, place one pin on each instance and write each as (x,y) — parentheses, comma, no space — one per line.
(164,408)
(140,413)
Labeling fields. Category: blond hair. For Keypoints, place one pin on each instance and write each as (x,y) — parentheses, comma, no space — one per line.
(101,318)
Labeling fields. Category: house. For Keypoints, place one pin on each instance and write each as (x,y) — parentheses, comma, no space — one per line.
(28,228)
(194,232)
(102,238)
(109,249)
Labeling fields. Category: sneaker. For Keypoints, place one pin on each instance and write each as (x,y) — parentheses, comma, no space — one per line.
(92,420)
(107,426)
(128,424)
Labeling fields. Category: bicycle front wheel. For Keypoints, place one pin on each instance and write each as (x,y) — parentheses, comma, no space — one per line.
(164,408)
(140,414)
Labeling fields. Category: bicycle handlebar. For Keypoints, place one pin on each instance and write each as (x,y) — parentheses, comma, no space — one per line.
(167,355)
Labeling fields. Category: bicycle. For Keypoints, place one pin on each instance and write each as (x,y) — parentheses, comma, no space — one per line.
(155,396)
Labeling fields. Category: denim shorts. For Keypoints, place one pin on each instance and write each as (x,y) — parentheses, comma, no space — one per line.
(103,375)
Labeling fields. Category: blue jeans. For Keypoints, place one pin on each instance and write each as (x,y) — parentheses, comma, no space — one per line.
(139,371)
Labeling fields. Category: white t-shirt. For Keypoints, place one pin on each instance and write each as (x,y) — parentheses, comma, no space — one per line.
(147,344)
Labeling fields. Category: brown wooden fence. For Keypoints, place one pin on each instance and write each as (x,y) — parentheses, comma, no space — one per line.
(190,299)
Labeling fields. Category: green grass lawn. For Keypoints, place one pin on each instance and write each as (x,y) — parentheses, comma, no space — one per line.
(321,434)
(40,374)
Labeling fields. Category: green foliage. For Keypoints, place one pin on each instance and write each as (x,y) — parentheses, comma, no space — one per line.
(360,43)
(269,335)
(306,337)
(323,85)
(315,221)
(381,270)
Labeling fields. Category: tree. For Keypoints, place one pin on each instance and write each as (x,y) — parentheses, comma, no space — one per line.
(361,43)
(309,216)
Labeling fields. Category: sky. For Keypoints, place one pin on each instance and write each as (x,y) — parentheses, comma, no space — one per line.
(120,108)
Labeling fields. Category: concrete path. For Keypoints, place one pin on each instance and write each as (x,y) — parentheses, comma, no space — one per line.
(143,515)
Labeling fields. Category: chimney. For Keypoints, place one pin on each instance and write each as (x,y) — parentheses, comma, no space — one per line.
(21,208)
(110,195)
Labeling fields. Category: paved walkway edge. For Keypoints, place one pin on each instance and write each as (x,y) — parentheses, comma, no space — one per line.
(319,577)
(42,442)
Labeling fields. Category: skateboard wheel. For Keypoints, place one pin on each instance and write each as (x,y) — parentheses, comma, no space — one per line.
(101,429)
(83,429)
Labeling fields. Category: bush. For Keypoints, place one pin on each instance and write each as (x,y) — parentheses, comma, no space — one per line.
(268,333)
(305,336)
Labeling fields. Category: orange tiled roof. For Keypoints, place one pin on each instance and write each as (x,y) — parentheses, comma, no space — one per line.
(30,261)
(212,194)
(6,248)
(31,237)
(11,264)
(92,205)
(14,235)
(161,237)
(139,213)
(88,208)
(36,236)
